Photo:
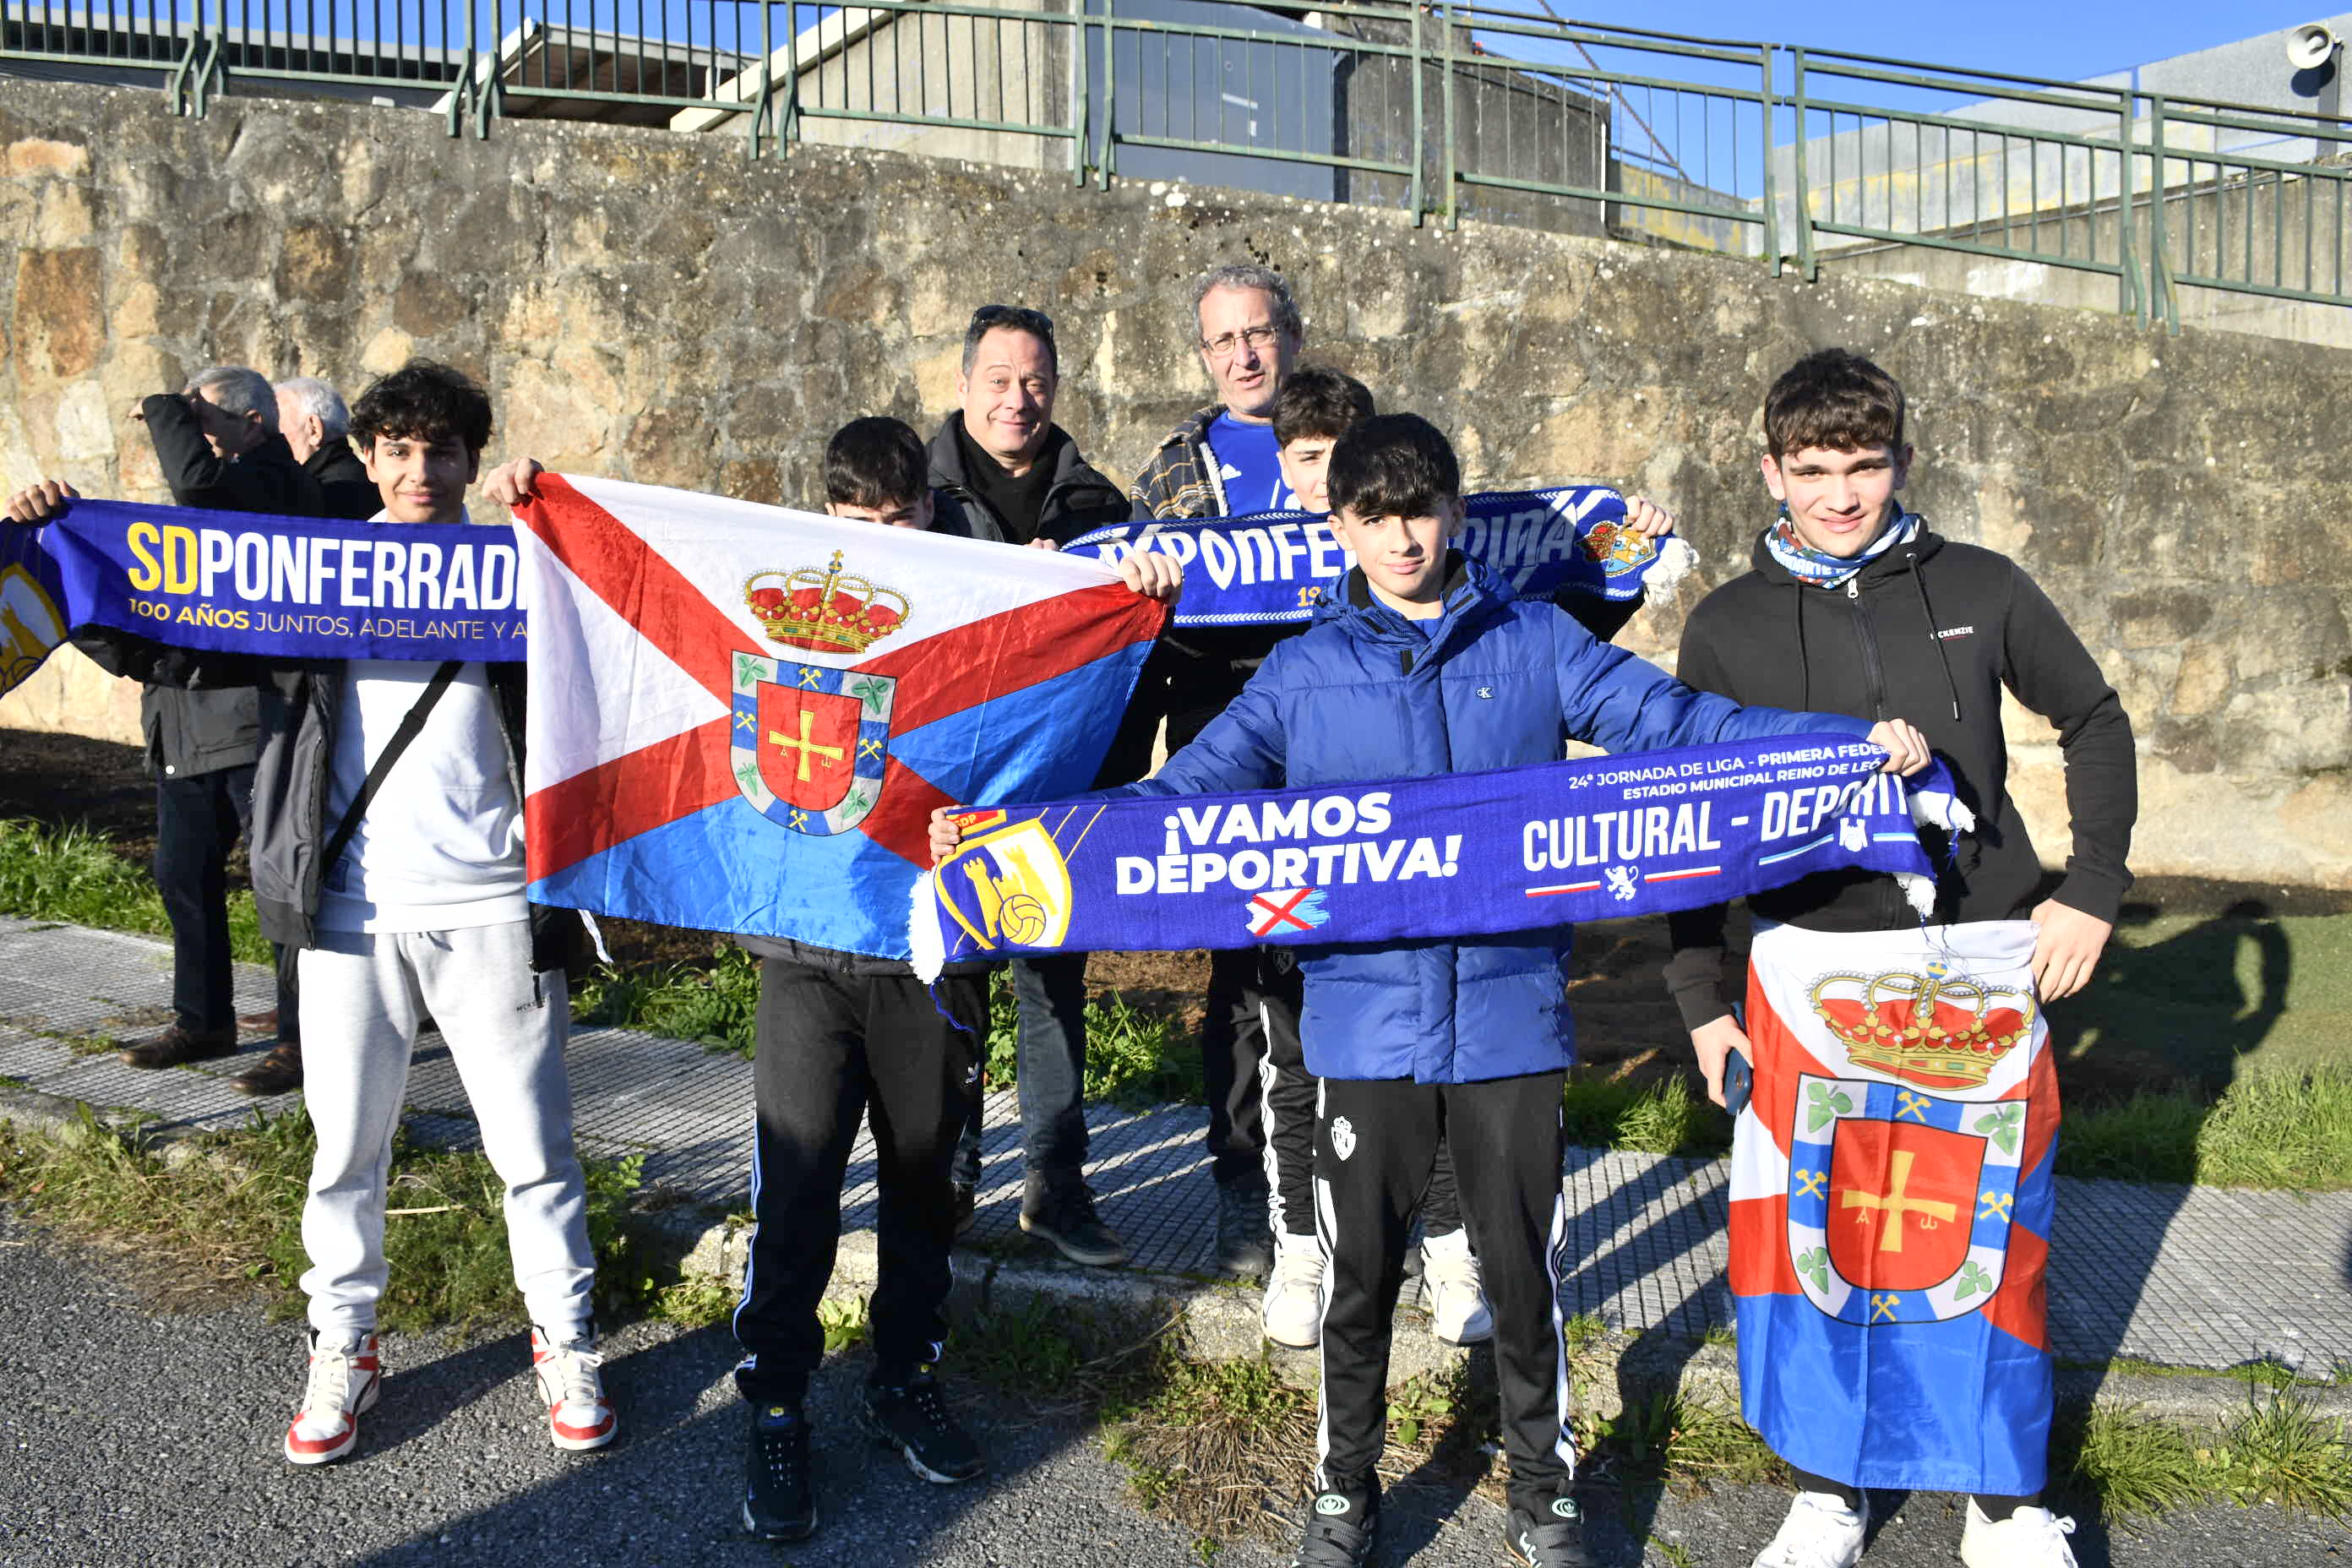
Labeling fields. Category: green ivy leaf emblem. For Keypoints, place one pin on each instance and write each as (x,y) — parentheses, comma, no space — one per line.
(1973,1281)
(1827,1104)
(855,801)
(2001,1126)
(748,670)
(748,775)
(871,692)
(1814,1265)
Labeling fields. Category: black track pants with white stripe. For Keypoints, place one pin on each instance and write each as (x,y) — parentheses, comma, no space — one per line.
(836,1049)
(1375,1144)
(1261,1098)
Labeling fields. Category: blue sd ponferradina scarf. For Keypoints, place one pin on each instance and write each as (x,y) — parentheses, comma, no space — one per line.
(1819,568)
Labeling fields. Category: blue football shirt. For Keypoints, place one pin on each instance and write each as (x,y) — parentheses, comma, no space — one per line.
(1247,466)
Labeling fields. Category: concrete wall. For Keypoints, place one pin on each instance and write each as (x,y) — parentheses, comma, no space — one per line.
(653,307)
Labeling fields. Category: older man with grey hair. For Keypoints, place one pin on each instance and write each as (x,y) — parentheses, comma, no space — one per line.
(313,417)
(218,442)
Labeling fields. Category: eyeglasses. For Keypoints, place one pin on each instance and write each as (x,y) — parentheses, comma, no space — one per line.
(1225,344)
(1020,316)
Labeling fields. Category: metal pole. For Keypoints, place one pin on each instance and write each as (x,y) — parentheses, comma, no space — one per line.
(1771,196)
(1804,210)
(1446,64)
(1110,90)
(2155,235)
(1081,89)
(1419,196)
(2129,297)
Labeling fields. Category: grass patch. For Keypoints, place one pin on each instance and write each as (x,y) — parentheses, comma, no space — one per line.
(2282,1451)
(711,1001)
(231,1210)
(2267,1130)
(1659,1116)
(2133,1465)
(1679,1439)
(73,874)
(1136,1058)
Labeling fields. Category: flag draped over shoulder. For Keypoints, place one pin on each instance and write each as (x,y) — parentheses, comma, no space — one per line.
(742,717)
(1458,855)
(1891,1205)
(1269,568)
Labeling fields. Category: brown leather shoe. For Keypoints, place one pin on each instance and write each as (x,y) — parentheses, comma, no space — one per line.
(277,1073)
(259,1023)
(176,1045)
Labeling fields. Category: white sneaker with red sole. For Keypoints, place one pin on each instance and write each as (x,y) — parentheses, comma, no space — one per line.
(345,1375)
(579,1416)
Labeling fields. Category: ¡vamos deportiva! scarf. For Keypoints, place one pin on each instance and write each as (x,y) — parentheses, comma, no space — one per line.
(1471,853)
(1818,568)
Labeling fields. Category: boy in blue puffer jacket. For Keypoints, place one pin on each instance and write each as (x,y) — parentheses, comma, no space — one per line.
(1420,663)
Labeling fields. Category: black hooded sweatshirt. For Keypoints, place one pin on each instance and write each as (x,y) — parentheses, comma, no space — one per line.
(1930,632)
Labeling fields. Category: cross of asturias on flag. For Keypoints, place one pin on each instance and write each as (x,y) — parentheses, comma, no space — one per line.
(742,717)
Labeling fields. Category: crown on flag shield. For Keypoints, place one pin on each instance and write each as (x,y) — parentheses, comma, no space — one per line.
(1900,1201)
(811,744)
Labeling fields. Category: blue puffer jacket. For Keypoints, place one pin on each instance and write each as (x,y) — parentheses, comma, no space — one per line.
(1363,694)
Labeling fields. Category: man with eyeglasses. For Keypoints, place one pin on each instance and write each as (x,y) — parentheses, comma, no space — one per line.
(1001,469)
(1223,461)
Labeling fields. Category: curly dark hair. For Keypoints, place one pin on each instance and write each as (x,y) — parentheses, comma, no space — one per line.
(423,401)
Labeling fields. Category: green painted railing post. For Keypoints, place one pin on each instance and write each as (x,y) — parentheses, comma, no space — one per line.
(1805,261)
(1081,88)
(1445,63)
(2129,300)
(1111,92)
(1419,195)
(1764,139)
(2159,303)
(788,123)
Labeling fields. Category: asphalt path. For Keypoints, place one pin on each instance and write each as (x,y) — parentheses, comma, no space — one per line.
(135,1435)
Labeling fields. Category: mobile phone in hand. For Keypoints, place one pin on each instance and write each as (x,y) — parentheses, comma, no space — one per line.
(1739,1073)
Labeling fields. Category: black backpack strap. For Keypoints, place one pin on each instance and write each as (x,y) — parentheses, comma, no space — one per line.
(410,725)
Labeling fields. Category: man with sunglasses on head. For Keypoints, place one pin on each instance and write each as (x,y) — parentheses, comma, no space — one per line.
(1001,469)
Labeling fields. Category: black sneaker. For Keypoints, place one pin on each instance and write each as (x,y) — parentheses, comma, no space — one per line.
(913,1417)
(1341,1531)
(777,1503)
(1552,1538)
(967,1206)
(1059,1209)
(1244,1230)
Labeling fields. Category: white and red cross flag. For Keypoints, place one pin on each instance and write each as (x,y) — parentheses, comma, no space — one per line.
(741,716)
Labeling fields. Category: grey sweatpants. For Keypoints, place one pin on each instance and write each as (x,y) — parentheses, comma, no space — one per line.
(362,995)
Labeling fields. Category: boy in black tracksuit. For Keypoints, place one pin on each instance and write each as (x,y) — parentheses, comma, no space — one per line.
(1855,606)
(842,1038)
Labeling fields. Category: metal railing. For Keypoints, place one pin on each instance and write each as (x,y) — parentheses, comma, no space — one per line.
(1793,156)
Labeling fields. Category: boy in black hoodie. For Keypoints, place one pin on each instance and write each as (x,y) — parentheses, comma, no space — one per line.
(1855,606)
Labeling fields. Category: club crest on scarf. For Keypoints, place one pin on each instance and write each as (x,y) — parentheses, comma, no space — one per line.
(1899,1201)
(1617,549)
(31,626)
(1008,883)
(812,744)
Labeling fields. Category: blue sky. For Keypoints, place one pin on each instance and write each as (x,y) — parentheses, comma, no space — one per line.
(2069,39)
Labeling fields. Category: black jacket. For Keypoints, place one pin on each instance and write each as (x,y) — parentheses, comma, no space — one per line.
(343,481)
(192,733)
(1078,498)
(300,708)
(1930,632)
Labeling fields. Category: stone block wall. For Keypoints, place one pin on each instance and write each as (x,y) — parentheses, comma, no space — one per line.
(650,305)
